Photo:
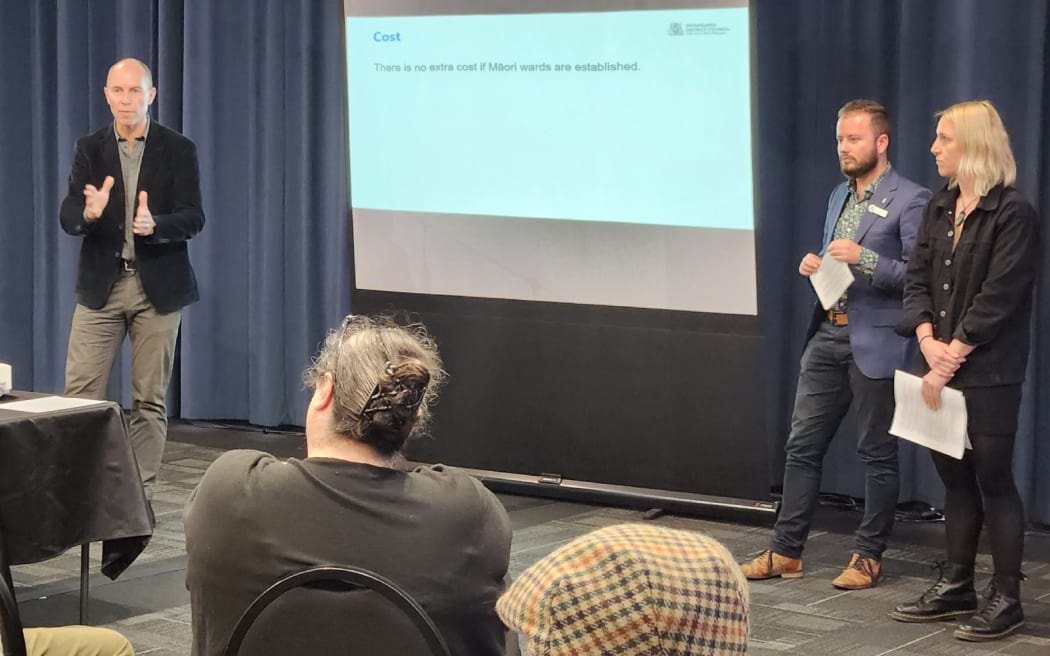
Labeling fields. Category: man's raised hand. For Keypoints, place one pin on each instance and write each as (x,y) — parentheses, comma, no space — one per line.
(144,224)
(96,199)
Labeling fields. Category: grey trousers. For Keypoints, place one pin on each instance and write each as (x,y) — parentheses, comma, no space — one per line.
(94,341)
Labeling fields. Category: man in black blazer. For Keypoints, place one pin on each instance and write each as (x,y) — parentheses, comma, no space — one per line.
(134,198)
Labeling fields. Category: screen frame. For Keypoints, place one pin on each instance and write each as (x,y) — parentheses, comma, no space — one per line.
(743,472)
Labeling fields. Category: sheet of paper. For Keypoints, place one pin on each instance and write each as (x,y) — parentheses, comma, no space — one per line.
(5,378)
(47,404)
(831,280)
(943,429)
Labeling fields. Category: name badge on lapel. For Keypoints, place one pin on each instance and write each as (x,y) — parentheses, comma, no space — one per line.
(878,211)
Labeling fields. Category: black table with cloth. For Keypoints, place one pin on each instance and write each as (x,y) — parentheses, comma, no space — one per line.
(68,478)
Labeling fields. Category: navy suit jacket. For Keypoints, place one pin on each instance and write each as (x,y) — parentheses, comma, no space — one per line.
(170,176)
(875,304)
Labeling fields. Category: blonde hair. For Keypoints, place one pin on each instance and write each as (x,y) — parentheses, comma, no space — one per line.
(986,154)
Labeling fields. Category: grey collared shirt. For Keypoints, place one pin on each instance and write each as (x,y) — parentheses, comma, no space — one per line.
(130,164)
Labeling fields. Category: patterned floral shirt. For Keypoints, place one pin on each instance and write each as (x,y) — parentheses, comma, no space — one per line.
(849,220)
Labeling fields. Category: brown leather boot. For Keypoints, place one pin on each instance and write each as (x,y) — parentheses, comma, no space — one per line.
(860,574)
(769,564)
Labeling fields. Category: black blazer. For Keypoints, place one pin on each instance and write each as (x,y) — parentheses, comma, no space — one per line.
(170,175)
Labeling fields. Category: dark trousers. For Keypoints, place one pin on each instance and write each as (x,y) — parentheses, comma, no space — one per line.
(979,490)
(827,384)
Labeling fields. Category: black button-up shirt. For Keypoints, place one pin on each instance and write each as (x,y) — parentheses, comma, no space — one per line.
(980,291)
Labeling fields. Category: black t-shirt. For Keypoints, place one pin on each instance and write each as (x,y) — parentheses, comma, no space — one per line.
(435,531)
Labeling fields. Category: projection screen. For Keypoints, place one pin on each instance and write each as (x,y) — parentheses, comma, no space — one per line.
(584,152)
(563,192)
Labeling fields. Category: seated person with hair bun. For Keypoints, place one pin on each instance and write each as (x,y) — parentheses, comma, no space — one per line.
(435,531)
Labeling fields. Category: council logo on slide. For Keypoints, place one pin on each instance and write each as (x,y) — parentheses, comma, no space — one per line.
(675,29)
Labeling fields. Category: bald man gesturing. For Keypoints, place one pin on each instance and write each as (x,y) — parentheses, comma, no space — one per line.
(134,199)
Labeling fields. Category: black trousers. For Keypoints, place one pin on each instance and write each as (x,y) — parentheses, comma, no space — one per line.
(980,488)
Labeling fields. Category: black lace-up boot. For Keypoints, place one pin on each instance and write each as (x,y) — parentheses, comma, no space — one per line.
(952,595)
(989,590)
(1000,616)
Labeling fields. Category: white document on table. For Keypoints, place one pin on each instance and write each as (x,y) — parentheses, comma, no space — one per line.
(942,430)
(48,404)
(831,280)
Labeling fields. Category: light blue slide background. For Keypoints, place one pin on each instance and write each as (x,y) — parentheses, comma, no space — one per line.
(669,144)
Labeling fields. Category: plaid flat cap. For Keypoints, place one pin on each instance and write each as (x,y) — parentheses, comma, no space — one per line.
(631,589)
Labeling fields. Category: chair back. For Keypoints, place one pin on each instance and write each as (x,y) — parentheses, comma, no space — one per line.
(335,610)
(10,622)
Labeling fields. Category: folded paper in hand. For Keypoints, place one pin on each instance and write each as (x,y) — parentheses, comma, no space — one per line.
(5,378)
(942,430)
(831,280)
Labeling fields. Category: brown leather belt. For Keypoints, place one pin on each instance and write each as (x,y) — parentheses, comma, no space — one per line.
(836,318)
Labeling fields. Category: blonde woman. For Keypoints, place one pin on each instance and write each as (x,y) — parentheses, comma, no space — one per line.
(968,301)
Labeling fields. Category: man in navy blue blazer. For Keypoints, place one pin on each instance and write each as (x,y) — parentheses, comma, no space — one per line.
(134,199)
(852,350)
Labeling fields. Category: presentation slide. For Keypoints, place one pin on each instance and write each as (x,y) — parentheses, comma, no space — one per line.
(573,152)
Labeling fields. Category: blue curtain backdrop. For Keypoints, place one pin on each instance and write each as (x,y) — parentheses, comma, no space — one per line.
(258,84)
(259,87)
(916,58)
